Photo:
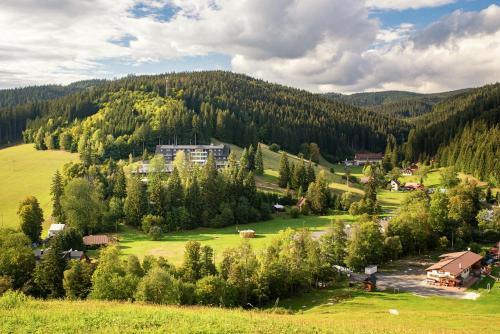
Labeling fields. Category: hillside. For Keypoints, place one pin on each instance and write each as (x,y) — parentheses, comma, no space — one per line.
(399,104)
(231,107)
(340,310)
(461,131)
(25,171)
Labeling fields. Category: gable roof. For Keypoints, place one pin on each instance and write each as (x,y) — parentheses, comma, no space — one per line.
(455,263)
(90,240)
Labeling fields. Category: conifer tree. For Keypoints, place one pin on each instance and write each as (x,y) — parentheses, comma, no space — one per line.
(284,171)
(259,161)
(136,202)
(57,190)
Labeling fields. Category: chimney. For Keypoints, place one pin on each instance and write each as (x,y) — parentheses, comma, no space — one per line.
(460,265)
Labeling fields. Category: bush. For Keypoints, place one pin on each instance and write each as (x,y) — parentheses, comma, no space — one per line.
(155,233)
(332,170)
(294,212)
(214,290)
(274,147)
(443,243)
(13,299)
(149,221)
(158,287)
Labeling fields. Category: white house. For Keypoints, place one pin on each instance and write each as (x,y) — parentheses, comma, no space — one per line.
(55,229)
(395,185)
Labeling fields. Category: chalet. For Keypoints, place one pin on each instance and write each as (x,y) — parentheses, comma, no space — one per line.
(454,268)
(409,171)
(55,229)
(395,185)
(96,240)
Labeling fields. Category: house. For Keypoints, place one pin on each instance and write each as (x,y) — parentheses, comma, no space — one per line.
(197,154)
(68,255)
(410,186)
(395,185)
(409,171)
(96,240)
(454,268)
(360,159)
(75,255)
(55,229)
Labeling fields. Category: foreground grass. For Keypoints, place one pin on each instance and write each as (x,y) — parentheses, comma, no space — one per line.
(25,171)
(339,310)
(171,246)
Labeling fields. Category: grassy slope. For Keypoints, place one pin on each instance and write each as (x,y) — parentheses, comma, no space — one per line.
(25,171)
(340,310)
(171,246)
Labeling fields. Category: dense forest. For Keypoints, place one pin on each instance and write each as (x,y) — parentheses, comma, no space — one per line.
(461,131)
(397,104)
(231,107)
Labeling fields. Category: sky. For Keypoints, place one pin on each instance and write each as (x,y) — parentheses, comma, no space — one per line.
(340,46)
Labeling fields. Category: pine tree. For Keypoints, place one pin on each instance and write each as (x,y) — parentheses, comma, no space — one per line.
(210,188)
(284,171)
(244,160)
(157,196)
(251,158)
(259,161)
(311,175)
(48,275)
(136,202)
(57,190)
(120,184)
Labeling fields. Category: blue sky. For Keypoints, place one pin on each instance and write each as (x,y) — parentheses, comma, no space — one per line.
(319,45)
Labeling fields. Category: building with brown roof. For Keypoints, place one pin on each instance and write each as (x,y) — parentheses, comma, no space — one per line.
(96,240)
(454,268)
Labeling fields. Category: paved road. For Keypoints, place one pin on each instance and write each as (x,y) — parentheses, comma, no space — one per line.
(413,280)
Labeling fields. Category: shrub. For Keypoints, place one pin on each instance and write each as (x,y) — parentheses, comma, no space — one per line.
(294,212)
(274,147)
(214,290)
(13,299)
(158,287)
(149,221)
(5,284)
(155,233)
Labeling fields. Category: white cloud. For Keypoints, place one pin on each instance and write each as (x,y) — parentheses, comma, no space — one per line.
(405,4)
(318,45)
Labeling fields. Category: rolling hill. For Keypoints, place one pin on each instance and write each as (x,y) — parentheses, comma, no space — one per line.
(25,171)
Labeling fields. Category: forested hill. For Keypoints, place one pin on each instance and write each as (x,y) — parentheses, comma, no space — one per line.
(231,107)
(463,131)
(398,104)
(17,96)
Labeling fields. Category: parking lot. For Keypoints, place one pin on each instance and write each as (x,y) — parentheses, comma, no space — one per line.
(411,278)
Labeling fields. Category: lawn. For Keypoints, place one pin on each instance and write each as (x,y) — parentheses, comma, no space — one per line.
(171,246)
(25,171)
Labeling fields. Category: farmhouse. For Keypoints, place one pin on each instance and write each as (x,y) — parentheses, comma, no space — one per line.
(55,229)
(454,268)
(197,154)
(409,171)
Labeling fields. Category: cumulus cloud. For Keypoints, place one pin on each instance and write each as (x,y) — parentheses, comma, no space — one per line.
(317,45)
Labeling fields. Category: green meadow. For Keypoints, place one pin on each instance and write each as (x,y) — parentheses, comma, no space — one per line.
(25,171)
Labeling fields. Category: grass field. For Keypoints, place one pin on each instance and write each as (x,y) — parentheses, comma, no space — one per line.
(171,246)
(25,171)
(335,310)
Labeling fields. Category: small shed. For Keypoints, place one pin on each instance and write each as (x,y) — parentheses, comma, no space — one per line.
(247,234)
(370,283)
(395,185)
(96,240)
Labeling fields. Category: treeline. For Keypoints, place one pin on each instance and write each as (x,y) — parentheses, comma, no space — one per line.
(241,110)
(292,263)
(19,105)
(445,126)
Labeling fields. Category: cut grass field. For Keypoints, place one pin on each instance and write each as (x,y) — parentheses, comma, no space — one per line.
(334,310)
(25,171)
(171,245)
